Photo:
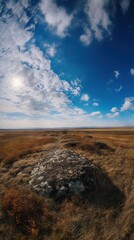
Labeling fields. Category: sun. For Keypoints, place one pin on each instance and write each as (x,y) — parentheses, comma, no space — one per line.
(17,83)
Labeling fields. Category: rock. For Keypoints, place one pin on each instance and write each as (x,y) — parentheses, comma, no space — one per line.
(43,184)
(40,178)
(63,173)
(31,181)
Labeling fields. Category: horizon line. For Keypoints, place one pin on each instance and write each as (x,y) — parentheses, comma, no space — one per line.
(58,128)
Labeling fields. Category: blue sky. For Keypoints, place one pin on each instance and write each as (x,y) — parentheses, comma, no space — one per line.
(66,63)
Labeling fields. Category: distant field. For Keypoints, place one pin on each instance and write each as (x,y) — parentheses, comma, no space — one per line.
(109,216)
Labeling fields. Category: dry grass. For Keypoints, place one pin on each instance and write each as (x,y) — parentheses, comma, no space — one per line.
(105,214)
(17,145)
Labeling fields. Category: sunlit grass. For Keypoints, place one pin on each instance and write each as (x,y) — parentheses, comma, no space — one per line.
(102,215)
(15,146)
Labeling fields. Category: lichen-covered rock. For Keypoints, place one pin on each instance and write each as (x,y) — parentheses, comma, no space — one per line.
(63,173)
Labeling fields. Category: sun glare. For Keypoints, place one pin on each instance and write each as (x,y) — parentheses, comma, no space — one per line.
(17,82)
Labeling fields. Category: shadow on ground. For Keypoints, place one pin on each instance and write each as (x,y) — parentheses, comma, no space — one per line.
(106,194)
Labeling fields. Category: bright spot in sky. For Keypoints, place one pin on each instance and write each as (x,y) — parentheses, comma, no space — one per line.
(17,83)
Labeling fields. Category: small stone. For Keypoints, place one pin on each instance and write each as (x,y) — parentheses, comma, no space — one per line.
(31,181)
(44,184)
(40,178)
(35,170)
(63,188)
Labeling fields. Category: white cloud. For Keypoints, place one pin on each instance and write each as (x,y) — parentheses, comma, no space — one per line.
(18,10)
(79,111)
(85,97)
(125,5)
(118,89)
(112,115)
(56,17)
(76,91)
(95,104)
(132,71)
(114,109)
(99,20)
(86,38)
(128,104)
(100,14)
(93,114)
(50,49)
(117,74)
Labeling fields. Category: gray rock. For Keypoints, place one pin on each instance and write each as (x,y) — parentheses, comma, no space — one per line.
(31,181)
(64,173)
(63,188)
(43,184)
(40,178)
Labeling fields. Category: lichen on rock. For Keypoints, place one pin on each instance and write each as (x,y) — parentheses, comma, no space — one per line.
(63,173)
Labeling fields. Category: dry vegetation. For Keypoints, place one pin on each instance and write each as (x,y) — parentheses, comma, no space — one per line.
(105,214)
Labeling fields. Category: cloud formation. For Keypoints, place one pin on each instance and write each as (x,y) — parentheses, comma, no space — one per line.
(128,104)
(50,49)
(30,87)
(112,115)
(114,109)
(85,97)
(117,74)
(115,113)
(132,71)
(125,5)
(95,104)
(28,83)
(56,17)
(119,89)
(87,37)
(99,21)
(93,114)
(100,15)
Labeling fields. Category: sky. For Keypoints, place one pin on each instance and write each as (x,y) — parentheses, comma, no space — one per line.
(66,63)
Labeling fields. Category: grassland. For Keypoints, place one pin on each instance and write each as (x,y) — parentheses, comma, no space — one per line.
(105,214)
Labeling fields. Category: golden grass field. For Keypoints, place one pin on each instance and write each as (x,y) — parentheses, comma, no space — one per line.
(105,214)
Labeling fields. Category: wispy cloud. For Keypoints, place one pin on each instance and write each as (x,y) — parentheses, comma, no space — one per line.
(56,17)
(132,71)
(119,89)
(117,74)
(100,19)
(125,5)
(50,49)
(87,37)
(110,81)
